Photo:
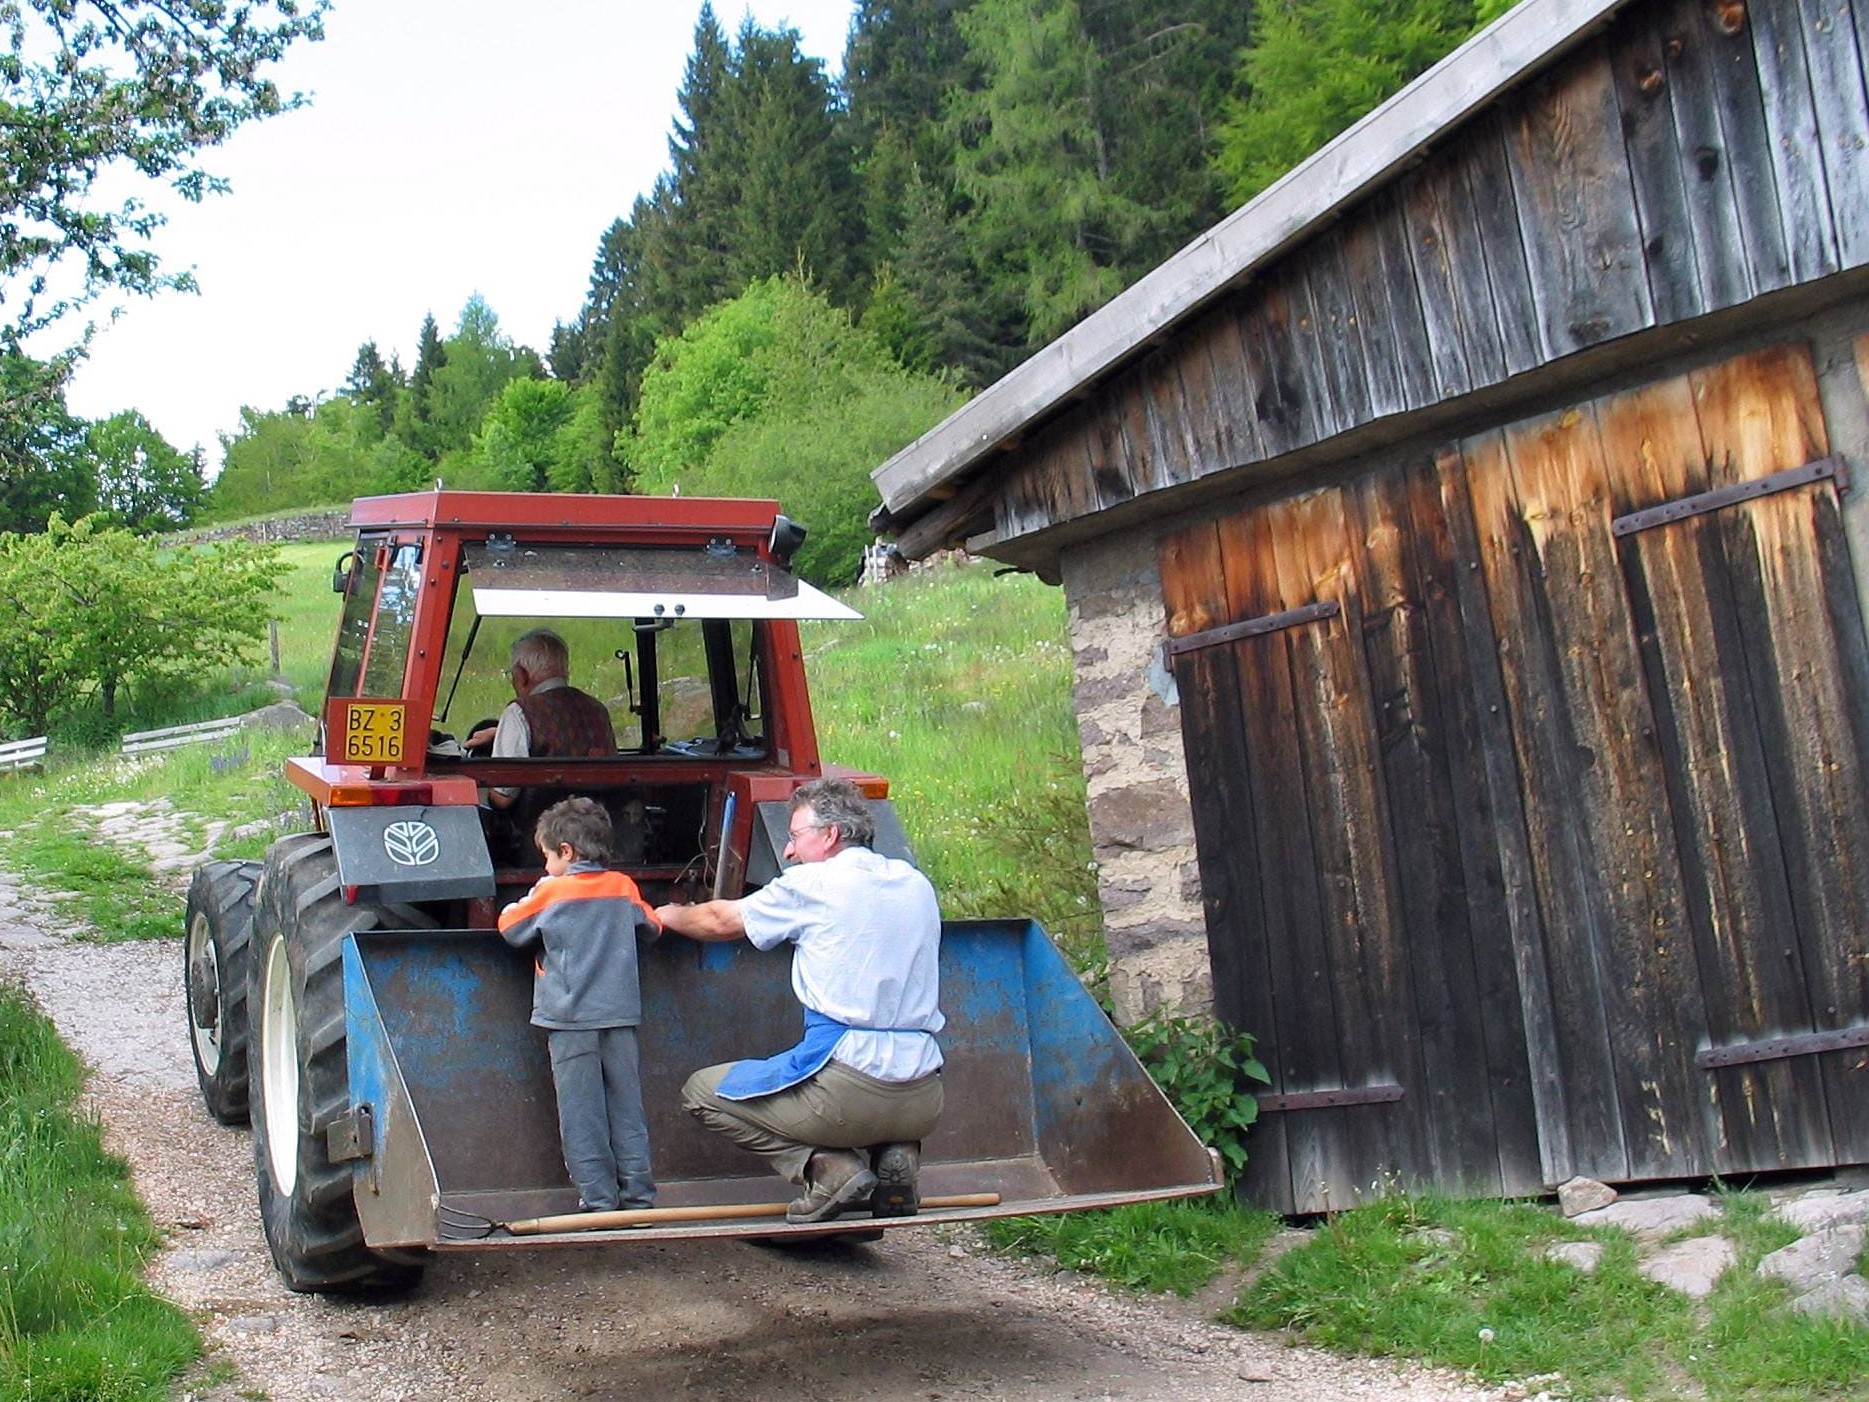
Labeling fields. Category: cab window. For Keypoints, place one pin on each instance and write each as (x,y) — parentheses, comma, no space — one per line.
(387,654)
(353,629)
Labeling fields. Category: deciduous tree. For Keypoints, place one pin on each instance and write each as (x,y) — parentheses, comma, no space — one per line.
(43,467)
(143,483)
(518,443)
(477,362)
(777,394)
(88,88)
(88,611)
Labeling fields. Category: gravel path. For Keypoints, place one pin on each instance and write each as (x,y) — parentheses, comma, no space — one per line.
(922,1315)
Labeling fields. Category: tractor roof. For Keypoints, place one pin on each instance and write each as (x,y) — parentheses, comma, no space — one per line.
(570,516)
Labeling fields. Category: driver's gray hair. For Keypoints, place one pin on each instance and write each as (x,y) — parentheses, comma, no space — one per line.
(542,653)
(838,803)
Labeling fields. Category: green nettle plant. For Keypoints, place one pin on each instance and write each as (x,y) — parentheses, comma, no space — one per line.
(1208,1070)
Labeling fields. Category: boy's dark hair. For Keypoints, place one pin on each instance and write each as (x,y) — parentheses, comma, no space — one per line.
(580,824)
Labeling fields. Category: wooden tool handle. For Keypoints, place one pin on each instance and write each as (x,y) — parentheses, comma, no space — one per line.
(725,1212)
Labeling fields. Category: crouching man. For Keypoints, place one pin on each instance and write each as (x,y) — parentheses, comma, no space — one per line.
(844,1112)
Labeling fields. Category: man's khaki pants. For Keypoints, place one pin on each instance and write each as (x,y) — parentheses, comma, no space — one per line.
(837,1108)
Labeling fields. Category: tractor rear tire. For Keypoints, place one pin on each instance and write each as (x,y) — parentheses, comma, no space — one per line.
(301,1081)
(216,949)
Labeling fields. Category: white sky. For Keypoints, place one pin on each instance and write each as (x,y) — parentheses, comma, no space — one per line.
(451,147)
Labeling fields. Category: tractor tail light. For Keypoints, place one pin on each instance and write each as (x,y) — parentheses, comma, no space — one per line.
(378,795)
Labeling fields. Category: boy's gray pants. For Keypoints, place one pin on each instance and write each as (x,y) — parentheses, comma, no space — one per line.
(600,1117)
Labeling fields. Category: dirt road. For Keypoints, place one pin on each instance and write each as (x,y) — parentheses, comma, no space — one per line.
(921,1315)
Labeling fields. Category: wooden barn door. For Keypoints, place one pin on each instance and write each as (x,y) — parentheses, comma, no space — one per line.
(1355,901)
(1669,582)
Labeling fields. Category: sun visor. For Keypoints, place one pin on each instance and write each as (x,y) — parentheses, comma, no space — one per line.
(522,581)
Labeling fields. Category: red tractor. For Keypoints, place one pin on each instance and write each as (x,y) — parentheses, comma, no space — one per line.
(349,993)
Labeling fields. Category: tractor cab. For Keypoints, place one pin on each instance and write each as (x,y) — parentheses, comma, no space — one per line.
(685,633)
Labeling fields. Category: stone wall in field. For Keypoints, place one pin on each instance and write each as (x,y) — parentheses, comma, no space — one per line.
(1141,826)
(333,524)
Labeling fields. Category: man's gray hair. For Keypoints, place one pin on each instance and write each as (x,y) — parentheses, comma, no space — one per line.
(838,803)
(542,653)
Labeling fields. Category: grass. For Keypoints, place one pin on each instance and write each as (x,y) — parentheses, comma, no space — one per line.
(1172,1247)
(308,616)
(957,687)
(111,890)
(75,1322)
(1467,1285)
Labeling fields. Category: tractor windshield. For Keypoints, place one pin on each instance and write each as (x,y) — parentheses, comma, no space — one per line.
(669,640)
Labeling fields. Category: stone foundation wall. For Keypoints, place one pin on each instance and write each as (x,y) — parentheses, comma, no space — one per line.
(1141,826)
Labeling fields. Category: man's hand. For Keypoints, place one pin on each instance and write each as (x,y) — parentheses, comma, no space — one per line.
(710,921)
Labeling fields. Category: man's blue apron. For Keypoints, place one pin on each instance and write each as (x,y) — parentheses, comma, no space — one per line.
(749,1080)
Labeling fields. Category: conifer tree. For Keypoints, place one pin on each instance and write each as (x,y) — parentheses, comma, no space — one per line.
(903,59)
(687,268)
(1084,142)
(371,382)
(1035,160)
(759,185)
(787,169)
(954,327)
(430,357)
(1315,66)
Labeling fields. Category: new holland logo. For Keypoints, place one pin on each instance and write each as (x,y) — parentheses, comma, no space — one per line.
(411,843)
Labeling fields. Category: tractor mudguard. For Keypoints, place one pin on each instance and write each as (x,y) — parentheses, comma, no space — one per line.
(401,855)
(452,1124)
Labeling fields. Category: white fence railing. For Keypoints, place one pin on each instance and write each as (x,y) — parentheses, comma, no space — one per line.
(142,741)
(22,754)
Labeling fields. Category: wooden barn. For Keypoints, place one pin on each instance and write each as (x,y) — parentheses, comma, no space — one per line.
(1462,566)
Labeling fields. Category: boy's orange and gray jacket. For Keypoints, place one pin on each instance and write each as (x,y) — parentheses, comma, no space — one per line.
(586,923)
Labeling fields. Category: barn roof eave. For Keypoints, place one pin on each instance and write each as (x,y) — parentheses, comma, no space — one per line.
(1348,167)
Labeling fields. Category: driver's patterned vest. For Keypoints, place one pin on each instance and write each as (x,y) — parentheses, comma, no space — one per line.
(567,723)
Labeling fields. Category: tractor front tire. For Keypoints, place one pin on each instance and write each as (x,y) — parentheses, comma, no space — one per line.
(216,949)
(301,1082)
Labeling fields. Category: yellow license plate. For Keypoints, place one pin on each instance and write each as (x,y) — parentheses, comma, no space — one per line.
(369,732)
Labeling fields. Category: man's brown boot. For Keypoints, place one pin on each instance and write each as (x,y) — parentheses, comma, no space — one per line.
(897,1168)
(835,1179)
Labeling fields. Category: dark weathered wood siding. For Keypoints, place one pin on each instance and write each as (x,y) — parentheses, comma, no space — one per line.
(1698,154)
(1543,812)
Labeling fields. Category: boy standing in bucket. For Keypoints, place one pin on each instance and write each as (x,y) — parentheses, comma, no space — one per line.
(588,998)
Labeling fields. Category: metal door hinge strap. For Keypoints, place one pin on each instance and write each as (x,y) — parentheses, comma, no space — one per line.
(1800,1044)
(1329,1099)
(1701,503)
(1254,627)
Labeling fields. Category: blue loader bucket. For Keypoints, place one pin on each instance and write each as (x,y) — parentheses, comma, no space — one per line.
(1047,1109)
